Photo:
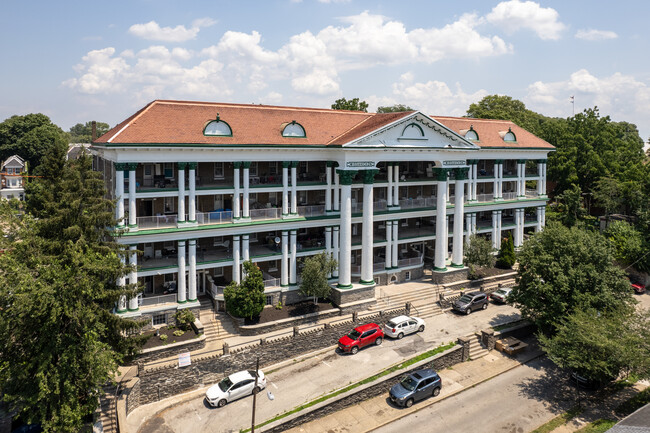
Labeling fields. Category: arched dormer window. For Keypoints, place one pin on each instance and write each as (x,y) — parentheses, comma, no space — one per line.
(218,128)
(510,136)
(294,129)
(412,131)
(471,134)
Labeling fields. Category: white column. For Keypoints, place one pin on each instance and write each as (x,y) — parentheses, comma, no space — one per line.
(337,193)
(475,170)
(459,210)
(543,217)
(517,224)
(539,178)
(245,248)
(246,199)
(495,182)
(285,189)
(328,244)
(468,227)
(495,229)
(396,186)
(389,192)
(544,178)
(336,250)
(441,221)
(180,284)
(132,212)
(345,275)
(119,194)
(181,192)
(474,224)
(121,282)
(236,206)
(192,274)
(284,276)
(294,189)
(367,241)
(328,189)
(133,275)
(538,212)
(192,198)
(523,180)
(294,248)
(395,245)
(499,228)
(389,244)
(236,259)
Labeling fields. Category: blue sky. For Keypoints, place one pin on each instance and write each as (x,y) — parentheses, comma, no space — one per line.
(78,60)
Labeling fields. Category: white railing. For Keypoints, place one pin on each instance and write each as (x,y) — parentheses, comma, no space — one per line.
(355,269)
(531,193)
(156,222)
(157,300)
(414,261)
(311,211)
(380,205)
(271,213)
(410,203)
(216,291)
(273,282)
(484,197)
(377,267)
(509,195)
(215,217)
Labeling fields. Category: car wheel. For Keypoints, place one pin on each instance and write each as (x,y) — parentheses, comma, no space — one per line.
(436,392)
(468,311)
(400,335)
(484,306)
(421,328)
(221,403)
(409,402)
(354,350)
(378,341)
(256,389)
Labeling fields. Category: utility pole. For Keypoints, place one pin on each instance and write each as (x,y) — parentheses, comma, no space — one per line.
(572,99)
(257,372)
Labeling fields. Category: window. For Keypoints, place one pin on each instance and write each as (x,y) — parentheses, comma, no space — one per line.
(158,319)
(303,167)
(218,241)
(218,201)
(294,129)
(407,275)
(218,272)
(218,128)
(218,170)
(273,168)
(253,169)
(510,136)
(170,206)
(269,300)
(169,170)
(471,134)
(412,131)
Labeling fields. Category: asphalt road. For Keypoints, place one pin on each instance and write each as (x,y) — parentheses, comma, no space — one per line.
(313,377)
(517,401)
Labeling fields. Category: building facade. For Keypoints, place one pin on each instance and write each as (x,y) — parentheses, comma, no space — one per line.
(203,187)
(12,171)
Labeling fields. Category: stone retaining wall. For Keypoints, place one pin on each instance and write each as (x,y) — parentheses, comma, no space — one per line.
(173,349)
(346,296)
(263,328)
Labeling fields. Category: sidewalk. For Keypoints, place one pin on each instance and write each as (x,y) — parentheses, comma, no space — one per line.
(376,412)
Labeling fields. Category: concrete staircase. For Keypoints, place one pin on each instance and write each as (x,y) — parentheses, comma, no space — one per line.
(423,299)
(216,326)
(108,415)
(476,349)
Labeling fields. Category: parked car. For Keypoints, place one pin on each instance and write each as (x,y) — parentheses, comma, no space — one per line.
(416,386)
(471,302)
(501,295)
(360,337)
(235,386)
(637,286)
(399,326)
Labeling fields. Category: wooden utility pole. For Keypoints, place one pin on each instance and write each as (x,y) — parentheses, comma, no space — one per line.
(257,372)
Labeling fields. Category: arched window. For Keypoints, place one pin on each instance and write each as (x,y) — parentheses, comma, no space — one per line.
(218,127)
(294,129)
(412,131)
(510,136)
(471,134)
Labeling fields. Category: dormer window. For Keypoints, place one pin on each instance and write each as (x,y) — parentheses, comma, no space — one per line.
(218,128)
(413,131)
(294,129)
(510,136)
(471,134)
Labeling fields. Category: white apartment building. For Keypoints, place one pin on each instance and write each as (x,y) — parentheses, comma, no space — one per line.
(12,171)
(203,187)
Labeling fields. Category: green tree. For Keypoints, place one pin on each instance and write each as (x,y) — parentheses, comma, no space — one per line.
(627,242)
(314,276)
(352,105)
(58,285)
(506,257)
(246,299)
(608,194)
(478,253)
(602,346)
(570,206)
(83,133)
(505,108)
(565,269)
(394,108)
(31,137)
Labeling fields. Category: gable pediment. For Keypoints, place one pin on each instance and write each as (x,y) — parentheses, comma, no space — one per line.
(418,131)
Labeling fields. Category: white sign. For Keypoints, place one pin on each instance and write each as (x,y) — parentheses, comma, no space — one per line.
(454,162)
(359,164)
(184,359)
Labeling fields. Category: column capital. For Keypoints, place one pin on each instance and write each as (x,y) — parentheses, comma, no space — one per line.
(472,161)
(121,166)
(192,165)
(521,161)
(294,164)
(461,173)
(132,165)
(181,243)
(286,164)
(542,161)
(237,164)
(293,231)
(346,176)
(369,176)
(441,174)
(191,241)
(181,165)
(498,161)
(329,163)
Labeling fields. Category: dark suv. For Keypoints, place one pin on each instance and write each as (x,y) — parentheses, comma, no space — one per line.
(470,302)
(416,386)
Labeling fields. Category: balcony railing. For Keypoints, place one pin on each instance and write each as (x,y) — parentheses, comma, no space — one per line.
(484,197)
(216,217)
(413,261)
(311,211)
(156,222)
(273,282)
(509,195)
(271,213)
(156,300)
(412,203)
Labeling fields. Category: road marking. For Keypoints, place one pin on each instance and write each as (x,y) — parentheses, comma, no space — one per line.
(326,364)
(274,385)
(197,414)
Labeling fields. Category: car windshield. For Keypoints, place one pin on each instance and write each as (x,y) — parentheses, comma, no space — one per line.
(354,334)
(501,292)
(391,324)
(465,299)
(409,383)
(225,384)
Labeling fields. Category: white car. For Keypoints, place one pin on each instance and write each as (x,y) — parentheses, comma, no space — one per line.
(235,386)
(501,295)
(399,326)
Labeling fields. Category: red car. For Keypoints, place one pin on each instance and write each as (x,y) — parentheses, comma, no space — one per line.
(638,287)
(361,337)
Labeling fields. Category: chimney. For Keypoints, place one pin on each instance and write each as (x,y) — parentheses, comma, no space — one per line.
(94,130)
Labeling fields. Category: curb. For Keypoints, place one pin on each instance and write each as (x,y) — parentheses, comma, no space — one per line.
(453,393)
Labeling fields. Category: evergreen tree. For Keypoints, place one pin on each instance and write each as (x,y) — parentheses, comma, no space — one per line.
(246,299)
(506,257)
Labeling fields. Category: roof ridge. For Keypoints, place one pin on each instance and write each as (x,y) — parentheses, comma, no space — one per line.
(257,106)
(479,119)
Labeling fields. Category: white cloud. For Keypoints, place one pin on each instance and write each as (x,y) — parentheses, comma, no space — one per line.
(101,73)
(514,15)
(153,32)
(334,1)
(595,35)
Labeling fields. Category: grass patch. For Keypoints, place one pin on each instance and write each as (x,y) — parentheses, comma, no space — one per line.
(639,400)
(558,421)
(598,426)
(388,371)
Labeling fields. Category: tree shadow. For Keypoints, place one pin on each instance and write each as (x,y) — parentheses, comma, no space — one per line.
(501,318)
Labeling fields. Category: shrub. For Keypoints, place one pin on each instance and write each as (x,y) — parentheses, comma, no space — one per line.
(179,333)
(184,318)
(163,337)
(279,305)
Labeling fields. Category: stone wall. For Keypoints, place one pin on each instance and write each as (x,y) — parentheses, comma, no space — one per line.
(166,351)
(449,276)
(346,296)
(398,277)
(523,329)
(263,328)
(131,394)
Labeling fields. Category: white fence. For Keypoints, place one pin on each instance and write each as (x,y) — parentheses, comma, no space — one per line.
(157,300)
(311,211)
(411,203)
(216,217)
(156,222)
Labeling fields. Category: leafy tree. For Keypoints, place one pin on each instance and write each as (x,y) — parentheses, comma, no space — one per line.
(31,137)
(58,284)
(505,108)
(352,105)
(562,270)
(609,195)
(478,253)
(506,257)
(246,299)
(602,346)
(83,133)
(314,276)
(394,108)
(570,206)
(627,242)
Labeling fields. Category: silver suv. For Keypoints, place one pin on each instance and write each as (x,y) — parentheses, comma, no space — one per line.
(416,386)
(471,302)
